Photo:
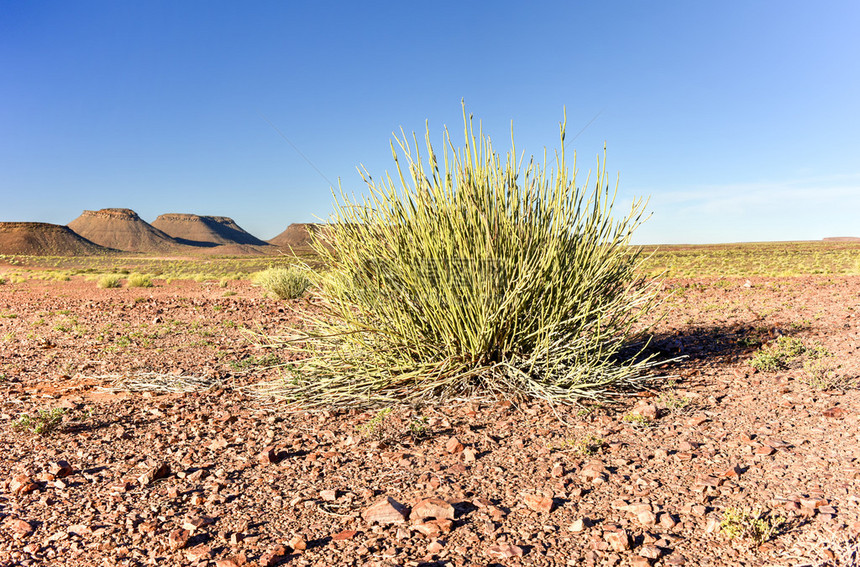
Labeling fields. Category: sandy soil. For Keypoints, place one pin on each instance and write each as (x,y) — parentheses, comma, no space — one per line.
(216,476)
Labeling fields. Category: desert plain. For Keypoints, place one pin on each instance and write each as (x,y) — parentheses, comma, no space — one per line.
(156,448)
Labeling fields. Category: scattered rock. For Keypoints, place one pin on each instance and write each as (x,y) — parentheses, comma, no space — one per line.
(504,551)
(60,469)
(432,508)
(454,446)
(272,556)
(153,473)
(178,538)
(386,511)
(538,503)
(22,484)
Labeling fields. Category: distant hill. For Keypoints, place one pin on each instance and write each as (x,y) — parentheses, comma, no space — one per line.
(197,230)
(842,239)
(296,235)
(122,229)
(44,239)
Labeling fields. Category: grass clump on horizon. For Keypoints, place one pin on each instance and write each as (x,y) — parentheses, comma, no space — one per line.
(474,275)
(284,283)
(139,280)
(109,281)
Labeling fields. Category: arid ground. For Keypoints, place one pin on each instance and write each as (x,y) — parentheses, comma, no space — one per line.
(130,473)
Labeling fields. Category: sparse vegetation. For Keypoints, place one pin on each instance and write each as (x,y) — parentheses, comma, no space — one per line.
(284,283)
(757,526)
(108,281)
(489,276)
(778,355)
(45,423)
(139,280)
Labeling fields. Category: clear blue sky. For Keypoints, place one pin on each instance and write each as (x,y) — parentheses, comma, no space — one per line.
(740,119)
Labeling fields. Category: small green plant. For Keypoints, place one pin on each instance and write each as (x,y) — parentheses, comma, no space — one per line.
(109,281)
(756,525)
(285,283)
(139,280)
(778,355)
(673,402)
(637,420)
(418,427)
(43,424)
(375,426)
(585,446)
(821,373)
(2,281)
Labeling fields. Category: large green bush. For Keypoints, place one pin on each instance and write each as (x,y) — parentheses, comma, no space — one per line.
(468,274)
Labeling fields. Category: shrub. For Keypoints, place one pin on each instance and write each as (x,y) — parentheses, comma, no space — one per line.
(109,281)
(473,275)
(285,283)
(755,525)
(43,424)
(139,280)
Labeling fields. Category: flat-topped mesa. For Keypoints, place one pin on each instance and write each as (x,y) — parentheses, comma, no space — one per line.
(126,214)
(45,239)
(122,229)
(207,231)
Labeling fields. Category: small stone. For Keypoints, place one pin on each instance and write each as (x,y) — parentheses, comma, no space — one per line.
(272,556)
(699,510)
(22,484)
(557,471)
(344,535)
(765,450)
(328,495)
(579,525)
(178,538)
(650,551)
(225,563)
(298,544)
(268,456)
(538,503)
(20,528)
(435,546)
(734,471)
(667,521)
(154,473)
(469,455)
(617,540)
(504,551)
(432,508)
(386,511)
(198,553)
(834,413)
(434,528)
(648,411)
(686,446)
(60,469)
(454,446)
(637,561)
(647,518)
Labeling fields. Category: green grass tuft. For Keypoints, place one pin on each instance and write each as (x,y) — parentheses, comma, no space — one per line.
(471,274)
(284,283)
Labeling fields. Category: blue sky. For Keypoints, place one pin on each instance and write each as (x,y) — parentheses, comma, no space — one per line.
(740,119)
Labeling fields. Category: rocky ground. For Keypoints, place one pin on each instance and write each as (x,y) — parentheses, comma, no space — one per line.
(130,473)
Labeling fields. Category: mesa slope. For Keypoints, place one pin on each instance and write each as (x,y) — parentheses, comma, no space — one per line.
(45,239)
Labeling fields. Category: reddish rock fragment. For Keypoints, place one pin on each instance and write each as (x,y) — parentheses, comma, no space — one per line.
(178,538)
(154,473)
(538,503)
(345,534)
(454,446)
(386,511)
(226,563)
(268,456)
(432,508)
(435,546)
(298,544)
(60,469)
(505,551)
(834,412)
(20,528)
(272,556)
(328,495)
(198,553)
(617,540)
(22,484)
